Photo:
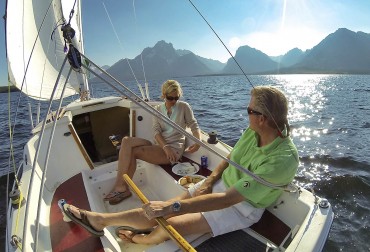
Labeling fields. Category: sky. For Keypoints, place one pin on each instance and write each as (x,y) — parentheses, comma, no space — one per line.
(116,29)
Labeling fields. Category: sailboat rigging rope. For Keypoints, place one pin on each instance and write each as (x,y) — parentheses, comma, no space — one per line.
(27,65)
(12,126)
(279,131)
(141,103)
(72,12)
(34,163)
(120,43)
(47,157)
(227,49)
(141,54)
(12,164)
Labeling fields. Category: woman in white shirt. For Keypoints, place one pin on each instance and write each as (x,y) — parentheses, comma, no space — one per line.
(169,143)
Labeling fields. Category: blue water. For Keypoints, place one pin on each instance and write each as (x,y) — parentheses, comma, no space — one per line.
(330,120)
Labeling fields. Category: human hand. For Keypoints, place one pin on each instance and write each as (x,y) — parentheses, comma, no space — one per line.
(192,148)
(170,153)
(155,209)
(205,188)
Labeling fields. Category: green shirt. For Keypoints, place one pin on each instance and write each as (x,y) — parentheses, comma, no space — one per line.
(276,163)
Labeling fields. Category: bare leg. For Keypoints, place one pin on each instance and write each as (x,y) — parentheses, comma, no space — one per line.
(133,217)
(132,149)
(193,223)
(124,160)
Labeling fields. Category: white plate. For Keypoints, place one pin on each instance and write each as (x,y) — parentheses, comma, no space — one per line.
(190,180)
(183,169)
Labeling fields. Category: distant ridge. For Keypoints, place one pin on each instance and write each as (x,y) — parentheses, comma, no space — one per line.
(5,89)
(251,60)
(163,60)
(341,52)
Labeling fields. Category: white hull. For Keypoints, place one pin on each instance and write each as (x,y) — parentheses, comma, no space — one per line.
(309,223)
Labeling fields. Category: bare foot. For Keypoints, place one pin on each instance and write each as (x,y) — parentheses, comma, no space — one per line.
(126,235)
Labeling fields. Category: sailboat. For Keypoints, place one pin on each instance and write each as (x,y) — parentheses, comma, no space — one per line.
(72,154)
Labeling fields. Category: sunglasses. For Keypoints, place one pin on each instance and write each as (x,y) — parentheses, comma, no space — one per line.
(171,98)
(253,112)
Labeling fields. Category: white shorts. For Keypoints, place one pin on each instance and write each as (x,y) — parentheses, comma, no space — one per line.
(236,217)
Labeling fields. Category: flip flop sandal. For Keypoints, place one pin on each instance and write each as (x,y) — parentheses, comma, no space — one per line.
(134,232)
(83,222)
(112,195)
(118,198)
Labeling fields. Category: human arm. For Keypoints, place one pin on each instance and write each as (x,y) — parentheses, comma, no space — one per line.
(170,153)
(202,203)
(216,174)
(192,123)
(194,147)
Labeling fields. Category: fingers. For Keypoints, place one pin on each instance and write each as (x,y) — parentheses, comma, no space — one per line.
(148,212)
(156,209)
(192,148)
(171,155)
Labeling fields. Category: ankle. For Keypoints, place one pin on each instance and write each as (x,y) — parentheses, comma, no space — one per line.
(120,188)
(100,221)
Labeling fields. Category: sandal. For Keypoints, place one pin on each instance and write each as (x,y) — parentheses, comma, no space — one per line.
(116,197)
(133,231)
(111,195)
(83,221)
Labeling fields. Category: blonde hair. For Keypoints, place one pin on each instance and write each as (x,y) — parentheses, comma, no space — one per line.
(170,86)
(273,104)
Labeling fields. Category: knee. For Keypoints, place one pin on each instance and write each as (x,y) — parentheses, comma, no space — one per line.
(127,143)
(138,152)
(175,221)
(126,140)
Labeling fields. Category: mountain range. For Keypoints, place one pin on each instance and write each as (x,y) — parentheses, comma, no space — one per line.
(341,52)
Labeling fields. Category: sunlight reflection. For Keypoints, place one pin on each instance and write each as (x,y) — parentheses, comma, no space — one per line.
(312,171)
(308,99)
(306,95)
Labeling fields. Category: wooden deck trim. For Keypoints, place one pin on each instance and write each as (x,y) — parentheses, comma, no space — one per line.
(133,121)
(80,146)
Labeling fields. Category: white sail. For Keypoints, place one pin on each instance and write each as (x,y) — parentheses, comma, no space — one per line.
(35,46)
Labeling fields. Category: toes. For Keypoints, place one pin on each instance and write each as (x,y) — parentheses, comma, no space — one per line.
(75,211)
(126,235)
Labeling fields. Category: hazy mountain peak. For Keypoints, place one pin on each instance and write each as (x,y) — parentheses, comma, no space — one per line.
(161,49)
(163,45)
(343,51)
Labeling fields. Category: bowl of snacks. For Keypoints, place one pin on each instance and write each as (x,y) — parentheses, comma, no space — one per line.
(190,180)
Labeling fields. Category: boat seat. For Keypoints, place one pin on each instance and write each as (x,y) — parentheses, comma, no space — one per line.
(274,232)
(272,228)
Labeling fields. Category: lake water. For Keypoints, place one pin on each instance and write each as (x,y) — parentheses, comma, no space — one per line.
(330,121)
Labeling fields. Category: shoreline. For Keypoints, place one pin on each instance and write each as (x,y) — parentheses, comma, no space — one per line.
(5,89)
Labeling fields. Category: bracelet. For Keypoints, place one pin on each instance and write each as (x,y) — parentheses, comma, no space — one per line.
(166,145)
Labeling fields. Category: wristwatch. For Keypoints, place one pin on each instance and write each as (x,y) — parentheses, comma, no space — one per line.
(176,206)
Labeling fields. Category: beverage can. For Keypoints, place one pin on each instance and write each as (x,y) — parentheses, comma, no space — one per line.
(203,162)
